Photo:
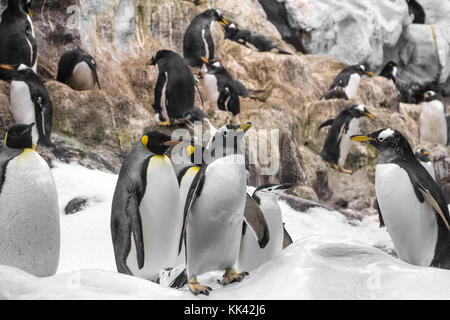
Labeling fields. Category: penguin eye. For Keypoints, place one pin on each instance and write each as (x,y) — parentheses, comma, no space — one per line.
(381,139)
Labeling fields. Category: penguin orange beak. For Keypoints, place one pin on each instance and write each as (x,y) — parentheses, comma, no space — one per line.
(426,95)
(171,143)
(368,114)
(224,22)
(204,60)
(426,153)
(30,13)
(7,67)
(150,63)
(370,73)
(361,138)
(245,127)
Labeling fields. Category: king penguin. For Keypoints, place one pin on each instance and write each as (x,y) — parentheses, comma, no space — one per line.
(432,121)
(17,38)
(337,143)
(412,205)
(198,41)
(145,217)
(174,89)
(390,71)
(29,101)
(29,214)
(423,155)
(214,210)
(349,78)
(251,255)
(77,68)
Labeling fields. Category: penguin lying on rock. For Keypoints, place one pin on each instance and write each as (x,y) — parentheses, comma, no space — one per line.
(349,78)
(337,143)
(246,37)
(411,203)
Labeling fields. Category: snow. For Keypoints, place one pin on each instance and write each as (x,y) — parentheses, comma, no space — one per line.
(331,258)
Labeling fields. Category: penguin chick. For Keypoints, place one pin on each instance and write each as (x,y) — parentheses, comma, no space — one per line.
(245,37)
(77,68)
(337,143)
(145,217)
(30,102)
(251,255)
(198,41)
(412,204)
(349,78)
(29,214)
(432,120)
(422,155)
(390,71)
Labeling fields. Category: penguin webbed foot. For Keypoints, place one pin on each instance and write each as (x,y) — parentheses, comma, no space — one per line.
(231,276)
(340,168)
(196,288)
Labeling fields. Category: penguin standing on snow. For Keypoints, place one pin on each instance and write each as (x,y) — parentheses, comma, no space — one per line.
(17,38)
(246,37)
(349,78)
(422,155)
(174,90)
(251,255)
(30,102)
(198,41)
(78,69)
(412,204)
(214,210)
(390,71)
(416,12)
(145,217)
(29,214)
(337,143)
(432,121)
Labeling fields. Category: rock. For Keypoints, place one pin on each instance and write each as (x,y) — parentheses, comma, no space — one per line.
(75,205)
(441,163)
(304,192)
(301,205)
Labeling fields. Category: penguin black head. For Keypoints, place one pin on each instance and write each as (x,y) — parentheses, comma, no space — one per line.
(231,30)
(270,189)
(422,154)
(216,15)
(429,96)
(161,54)
(26,6)
(213,66)
(19,136)
(228,139)
(157,142)
(390,143)
(15,72)
(360,110)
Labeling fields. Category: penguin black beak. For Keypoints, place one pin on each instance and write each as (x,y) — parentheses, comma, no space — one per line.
(150,63)
(361,138)
(369,115)
(244,127)
(171,143)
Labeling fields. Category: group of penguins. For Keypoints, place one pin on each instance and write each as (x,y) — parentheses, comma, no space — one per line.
(175,217)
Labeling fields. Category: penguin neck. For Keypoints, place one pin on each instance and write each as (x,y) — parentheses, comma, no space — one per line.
(392,156)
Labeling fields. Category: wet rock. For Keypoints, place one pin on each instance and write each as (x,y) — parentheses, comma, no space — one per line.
(75,205)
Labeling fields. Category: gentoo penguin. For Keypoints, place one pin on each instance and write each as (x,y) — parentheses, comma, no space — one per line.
(246,37)
(432,121)
(416,12)
(422,155)
(29,215)
(146,205)
(349,79)
(412,204)
(17,38)
(198,41)
(214,210)
(337,92)
(337,143)
(174,89)
(251,255)
(390,71)
(30,102)
(78,69)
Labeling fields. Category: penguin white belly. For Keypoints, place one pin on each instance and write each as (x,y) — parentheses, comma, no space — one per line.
(433,124)
(22,107)
(346,143)
(212,91)
(161,220)
(412,225)
(351,90)
(214,226)
(29,216)
(82,77)
(251,256)
(429,166)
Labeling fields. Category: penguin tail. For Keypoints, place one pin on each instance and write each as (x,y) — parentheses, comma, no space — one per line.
(180,281)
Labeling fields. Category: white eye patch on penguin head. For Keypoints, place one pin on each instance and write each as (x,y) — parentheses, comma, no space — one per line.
(429,95)
(359,111)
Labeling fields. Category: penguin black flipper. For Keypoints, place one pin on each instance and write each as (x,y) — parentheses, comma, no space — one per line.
(133,213)
(224,95)
(194,191)
(92,65)
(44,113)
(287,240)
(254,218)
(180,281)
(329,122)
(380,216)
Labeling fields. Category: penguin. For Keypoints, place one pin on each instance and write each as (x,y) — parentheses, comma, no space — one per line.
(174,89)
(214,210)
(77,68)
(146,206)
(390,71)
(30,102)
(29,215)
(337,143)
(416,12)
(423,156)
(251,255)
(448,130)
(412,204)
(17,37)
(349,78)
(245,37)
(432,120)
(338,92)
(198,41)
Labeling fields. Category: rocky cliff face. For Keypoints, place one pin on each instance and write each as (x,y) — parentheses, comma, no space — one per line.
(99,127)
